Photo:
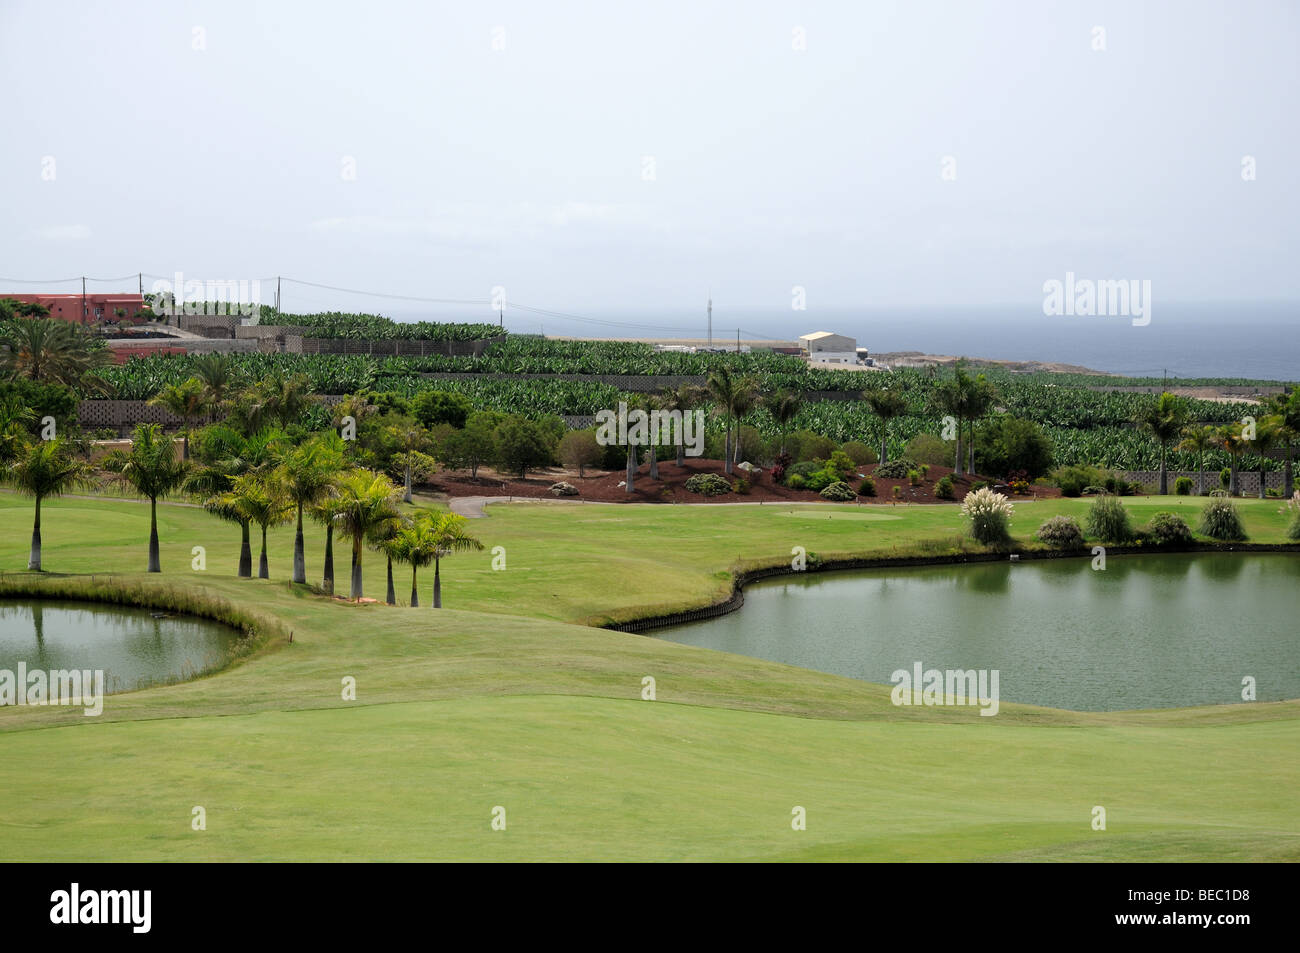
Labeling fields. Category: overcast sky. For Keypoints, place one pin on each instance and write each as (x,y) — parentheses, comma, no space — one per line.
(220,139)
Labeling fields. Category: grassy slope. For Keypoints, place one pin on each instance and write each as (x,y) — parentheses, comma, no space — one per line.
(499,701)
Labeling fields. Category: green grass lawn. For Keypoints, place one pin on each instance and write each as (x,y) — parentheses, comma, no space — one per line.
(501,700)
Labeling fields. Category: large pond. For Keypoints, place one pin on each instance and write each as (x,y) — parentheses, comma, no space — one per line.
(133,647)
(1146,632)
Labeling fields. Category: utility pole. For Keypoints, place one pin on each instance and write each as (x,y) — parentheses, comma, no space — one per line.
(140,279)
(277,294)
(710,320)
(83,299)
(737,340)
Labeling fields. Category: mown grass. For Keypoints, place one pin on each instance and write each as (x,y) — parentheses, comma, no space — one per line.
(500,700)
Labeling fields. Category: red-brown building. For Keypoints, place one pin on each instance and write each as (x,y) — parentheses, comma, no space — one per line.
(85,309)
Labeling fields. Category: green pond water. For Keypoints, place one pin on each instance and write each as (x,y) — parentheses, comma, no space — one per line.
(131,647)
(1147,632)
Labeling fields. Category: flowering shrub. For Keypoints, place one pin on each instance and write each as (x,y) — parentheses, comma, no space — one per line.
(1062,532)
(1293,505)
(990,515)
(1220,519)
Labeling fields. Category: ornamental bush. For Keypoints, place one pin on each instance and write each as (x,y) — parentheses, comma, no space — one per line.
(990,515)
(839,492)
(708,484)
(1062,532)
(943,490)
(795,482)
(1220,519)
(1167,529)
(867,487)
(1108,520)
(895,469)
(1183,486)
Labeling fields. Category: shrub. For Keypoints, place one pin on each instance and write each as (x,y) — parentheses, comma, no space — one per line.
(1225,477)
(867,487)
(839,492)
(708,484)
(806,445)
(895,469)
(979,485)
(860,453)
(778,474)
(1293,504)
(943,489)
(1094,490)
(914,477)
(990,515)
(898,492)
(1062,532)
(822,479)
(1108,520)
(795,482)
(1167,529)
(1220,519)
(741,486)
(927,448)
(840,464)
(1183,486)
(803,469)
(1005,444)
(1073,480)
(925,469)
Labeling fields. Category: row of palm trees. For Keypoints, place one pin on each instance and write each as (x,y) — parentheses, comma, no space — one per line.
(1277,428)
(256,482)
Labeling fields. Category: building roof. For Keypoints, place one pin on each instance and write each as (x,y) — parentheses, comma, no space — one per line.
(815,335)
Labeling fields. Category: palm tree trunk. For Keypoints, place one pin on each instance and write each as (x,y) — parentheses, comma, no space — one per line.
(654,462)
(884,440)
(970,449)
(356,567)
(245,552)
(154,565)
(299,554)
(631,469)
(956,459)
(263,571)
(34,561)
(1164,473)
(1200,475)
(437,585)
(406,497)
(681,450)
(1232,477)
(415,592)
(1288,478)
(327,580)
(392,593)
(726,449)
(1262,494)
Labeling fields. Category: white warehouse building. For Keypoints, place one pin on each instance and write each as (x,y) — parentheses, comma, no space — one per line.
(829,348)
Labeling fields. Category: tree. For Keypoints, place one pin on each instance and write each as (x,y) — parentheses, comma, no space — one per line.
(950,398)
(51,350)
(15,415)
(886,405)
(578,448)
(307,474)
(1287,407)
(1008,444)
(411,439)
(215,372)
(365,500)
(470,448)
(415,545)
(326,512)
(685,399)
(1231,439)
(154,471)
(225,454)
(784,406)
(734,397)
(448,534)
(1164,420)
(386,538)
(521,445)
(1270,433)
(187,400)
(260,499)
(433,407)
(44,469)
(1198,440)
(980,398)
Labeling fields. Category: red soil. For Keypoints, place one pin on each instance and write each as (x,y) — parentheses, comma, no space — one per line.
(603,486)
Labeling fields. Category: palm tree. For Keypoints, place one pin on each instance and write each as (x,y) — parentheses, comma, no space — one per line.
(1270,433)
(950,398)
(1231,439)
(981,395)
(326,512)
(15,415)
(230,454)
(307,474)
(44,469)
(1197,440)
(635,402)
(262,501)
(784,406)
(447,531)
(385,538)
(154,471)
(886,405)
(50,350)
(187,400)
(1287,407)
(1163,420)
(215,371)
(365,500)
(684,400)
(734,396)
(415,545)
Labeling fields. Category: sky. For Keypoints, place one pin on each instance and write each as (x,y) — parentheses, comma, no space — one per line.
(616,159)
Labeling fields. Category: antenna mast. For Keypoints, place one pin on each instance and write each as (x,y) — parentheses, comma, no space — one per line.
(710,320)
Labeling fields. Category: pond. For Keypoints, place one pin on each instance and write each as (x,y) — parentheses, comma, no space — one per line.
(135,648)
(1150,631)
